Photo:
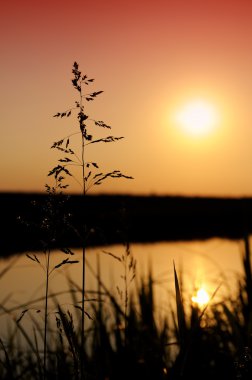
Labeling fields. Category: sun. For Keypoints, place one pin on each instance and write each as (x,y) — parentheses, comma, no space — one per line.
(197,118)
(201,298)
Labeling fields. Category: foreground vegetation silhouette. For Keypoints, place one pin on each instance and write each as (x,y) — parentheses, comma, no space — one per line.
(124,336)
(88,175)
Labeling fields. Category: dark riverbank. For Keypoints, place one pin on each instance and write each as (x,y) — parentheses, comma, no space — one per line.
(116,218)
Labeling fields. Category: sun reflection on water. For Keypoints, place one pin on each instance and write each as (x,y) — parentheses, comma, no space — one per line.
(200,265)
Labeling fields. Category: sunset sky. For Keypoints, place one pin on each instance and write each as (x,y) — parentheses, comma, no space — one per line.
(152,59)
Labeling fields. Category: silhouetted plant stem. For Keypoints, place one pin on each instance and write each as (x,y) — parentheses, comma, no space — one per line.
(90,172)
(126,295)
(83,254)
(47,252)
(83,309)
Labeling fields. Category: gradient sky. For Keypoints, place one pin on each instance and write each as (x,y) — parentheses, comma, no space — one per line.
(149,57)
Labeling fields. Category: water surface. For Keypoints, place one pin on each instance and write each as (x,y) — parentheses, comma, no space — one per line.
(212,263)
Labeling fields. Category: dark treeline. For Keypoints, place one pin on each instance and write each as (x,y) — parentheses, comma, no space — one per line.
(118,218)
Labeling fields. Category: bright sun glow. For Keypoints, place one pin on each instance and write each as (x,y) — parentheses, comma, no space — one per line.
(201,298)
(197,118)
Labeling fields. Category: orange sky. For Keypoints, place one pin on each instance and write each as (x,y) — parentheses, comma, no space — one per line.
(149,57)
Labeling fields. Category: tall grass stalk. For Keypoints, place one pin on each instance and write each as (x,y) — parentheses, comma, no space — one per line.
(90,174)
(128,263)
(51,224)
(47,253)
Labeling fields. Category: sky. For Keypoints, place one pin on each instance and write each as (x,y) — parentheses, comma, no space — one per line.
(150,58)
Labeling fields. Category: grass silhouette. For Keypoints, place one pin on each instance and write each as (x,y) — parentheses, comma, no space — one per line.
(121,335)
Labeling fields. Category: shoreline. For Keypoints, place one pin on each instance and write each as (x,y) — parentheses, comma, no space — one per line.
(116,219)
